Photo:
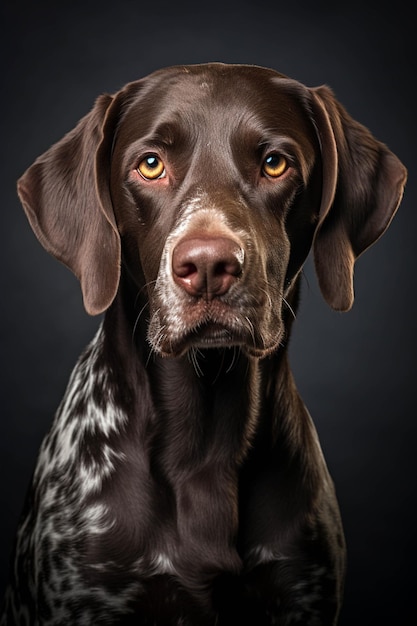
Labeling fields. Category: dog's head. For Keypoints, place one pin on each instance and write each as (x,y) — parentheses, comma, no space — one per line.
(211,183)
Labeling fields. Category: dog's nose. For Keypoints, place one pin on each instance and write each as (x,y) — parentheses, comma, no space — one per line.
(207,266)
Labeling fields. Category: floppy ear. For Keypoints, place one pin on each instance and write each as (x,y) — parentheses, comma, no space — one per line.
(363,183)
(66,198)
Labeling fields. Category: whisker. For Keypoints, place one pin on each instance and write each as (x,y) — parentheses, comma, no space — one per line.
(269,299)
(234,358)
(155,344)
(151,353)
(287,304)
(291,310)
(251,330)
(142,289)
(139,293)
(193,358)
(137,319)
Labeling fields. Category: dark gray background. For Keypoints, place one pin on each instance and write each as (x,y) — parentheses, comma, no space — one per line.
(355,371)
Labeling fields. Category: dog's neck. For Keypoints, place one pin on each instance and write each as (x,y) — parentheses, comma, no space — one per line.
(194,446)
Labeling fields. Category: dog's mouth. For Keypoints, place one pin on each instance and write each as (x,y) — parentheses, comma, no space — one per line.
(230,331)
(214,334)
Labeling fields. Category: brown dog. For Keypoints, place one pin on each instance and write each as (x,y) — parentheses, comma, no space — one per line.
(182,482)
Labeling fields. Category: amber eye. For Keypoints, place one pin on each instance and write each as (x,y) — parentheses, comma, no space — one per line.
(151,167)
(274,165)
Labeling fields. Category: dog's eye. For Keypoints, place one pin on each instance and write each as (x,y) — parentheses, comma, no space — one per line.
(274,165)
(151,167)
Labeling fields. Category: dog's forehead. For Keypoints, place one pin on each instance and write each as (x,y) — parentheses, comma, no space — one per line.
(224,94)
(220,78)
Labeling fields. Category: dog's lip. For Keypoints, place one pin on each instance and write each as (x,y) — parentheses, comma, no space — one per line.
(214,333)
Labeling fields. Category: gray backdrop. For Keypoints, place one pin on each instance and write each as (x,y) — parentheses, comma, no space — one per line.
(355,371)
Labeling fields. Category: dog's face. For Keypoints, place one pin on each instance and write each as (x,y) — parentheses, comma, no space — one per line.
(204,176)
(211,183)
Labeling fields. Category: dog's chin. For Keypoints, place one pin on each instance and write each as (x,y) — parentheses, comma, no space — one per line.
(215,336)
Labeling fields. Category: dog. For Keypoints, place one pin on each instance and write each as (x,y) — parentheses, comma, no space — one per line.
(182,481)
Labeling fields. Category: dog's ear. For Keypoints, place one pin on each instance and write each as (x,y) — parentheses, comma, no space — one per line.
(363,183)
(66,197)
